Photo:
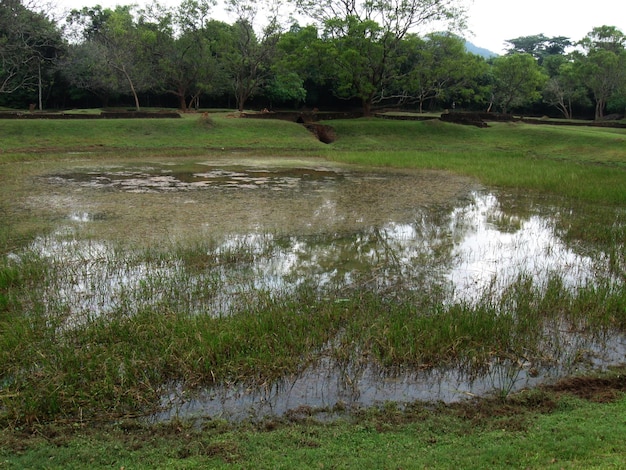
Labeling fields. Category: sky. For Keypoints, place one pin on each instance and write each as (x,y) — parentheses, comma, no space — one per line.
(495,21)
(492,22)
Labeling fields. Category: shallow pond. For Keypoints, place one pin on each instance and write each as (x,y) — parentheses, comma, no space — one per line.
(329,389)
(129,236)
(221,197)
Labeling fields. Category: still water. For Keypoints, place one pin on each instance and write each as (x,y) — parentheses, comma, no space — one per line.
(329,225)
(120,231)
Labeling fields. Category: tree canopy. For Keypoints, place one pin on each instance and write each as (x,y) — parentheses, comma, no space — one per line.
(368,54)
(29,43)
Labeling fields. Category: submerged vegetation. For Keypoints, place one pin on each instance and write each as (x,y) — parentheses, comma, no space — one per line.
(99,323)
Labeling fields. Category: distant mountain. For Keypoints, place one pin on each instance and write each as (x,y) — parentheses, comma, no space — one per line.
(481,51)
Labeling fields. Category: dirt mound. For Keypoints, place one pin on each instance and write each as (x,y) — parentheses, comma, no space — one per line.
(325,134)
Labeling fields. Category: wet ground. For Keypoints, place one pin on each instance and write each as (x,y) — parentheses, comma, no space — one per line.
(304,219)
(216,198)
(328,389)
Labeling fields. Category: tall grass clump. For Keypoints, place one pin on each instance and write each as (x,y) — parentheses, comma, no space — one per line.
(119,365)
(9,278)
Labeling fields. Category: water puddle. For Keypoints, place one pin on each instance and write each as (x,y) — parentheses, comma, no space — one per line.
(168,178)
(198,236)
(493,249)
(329,389)
(154,202)
(459,252)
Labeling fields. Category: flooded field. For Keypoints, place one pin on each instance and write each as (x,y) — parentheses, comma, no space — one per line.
(224,197)
(329,389)
(213,237)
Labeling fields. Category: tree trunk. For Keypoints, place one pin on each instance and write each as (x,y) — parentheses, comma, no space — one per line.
(104,100)
(182,102)
(562,106)
(132,87)
(194,101)
(241,98)
(491,100)
(135,96)
(367,107)
(599,109)
(40,86)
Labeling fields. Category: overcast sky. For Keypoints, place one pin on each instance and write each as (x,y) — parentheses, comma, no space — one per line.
(492,22)
(495,21)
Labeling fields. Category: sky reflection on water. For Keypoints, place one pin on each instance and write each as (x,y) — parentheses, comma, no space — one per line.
(328,389)
(332,228)
(486,257)
(461,251)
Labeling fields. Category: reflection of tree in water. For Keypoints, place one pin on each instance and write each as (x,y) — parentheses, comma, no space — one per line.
(464,250)
(393,259)
(412,251)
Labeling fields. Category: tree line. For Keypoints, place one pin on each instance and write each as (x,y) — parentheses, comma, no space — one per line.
(348,53)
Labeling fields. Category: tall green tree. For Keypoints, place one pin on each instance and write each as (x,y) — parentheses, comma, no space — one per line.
(564,89)
(603,67)
(188,61)
(438,67)
(129,43)
(365,36)
(251,56)
(85,67)
(607,38)
(300,64)
(539,46)
(518,80)
(30,44)
(361,64)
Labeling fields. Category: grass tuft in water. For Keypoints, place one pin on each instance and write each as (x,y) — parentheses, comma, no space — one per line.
(120,364)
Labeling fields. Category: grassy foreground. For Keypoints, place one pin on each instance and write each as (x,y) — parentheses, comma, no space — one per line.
(536,429)
(54,392)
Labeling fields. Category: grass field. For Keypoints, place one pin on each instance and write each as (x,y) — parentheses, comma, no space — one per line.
(69,398)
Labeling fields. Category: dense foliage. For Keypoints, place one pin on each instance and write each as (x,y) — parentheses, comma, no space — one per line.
(362,54)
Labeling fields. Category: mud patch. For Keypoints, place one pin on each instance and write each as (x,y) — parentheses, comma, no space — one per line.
(595,389)
(165,178)
(182,201)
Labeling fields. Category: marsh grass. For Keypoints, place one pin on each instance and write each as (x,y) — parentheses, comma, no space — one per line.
(119,364)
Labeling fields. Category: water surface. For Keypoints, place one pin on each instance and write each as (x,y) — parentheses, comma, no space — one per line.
(121,232)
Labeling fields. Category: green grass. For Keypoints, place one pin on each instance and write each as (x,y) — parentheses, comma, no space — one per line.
(584,163)
(536,430)
(188,135)
(587,163)
(119,364)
